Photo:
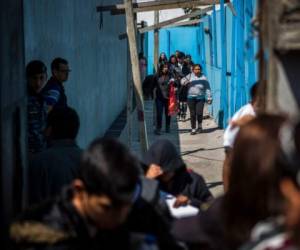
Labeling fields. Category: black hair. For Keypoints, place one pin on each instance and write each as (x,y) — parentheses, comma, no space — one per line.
(141,55)
(57,61)
(160,60)
(64,123)
(161,67)
(197,65)
(181,55)
(107,167)
(253,90)
(172,56)
(35,67)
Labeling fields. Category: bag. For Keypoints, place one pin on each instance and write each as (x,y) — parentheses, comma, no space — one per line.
(172,105)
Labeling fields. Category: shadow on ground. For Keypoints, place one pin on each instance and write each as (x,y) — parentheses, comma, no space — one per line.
(214,184)
(209,130)
(199,149)
(204,131)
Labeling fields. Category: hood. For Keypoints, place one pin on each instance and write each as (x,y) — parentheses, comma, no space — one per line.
(164,153)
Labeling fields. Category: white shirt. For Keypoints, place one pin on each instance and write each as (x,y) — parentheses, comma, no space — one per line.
(230,133)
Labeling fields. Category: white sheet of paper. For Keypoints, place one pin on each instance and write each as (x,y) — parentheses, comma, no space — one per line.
(181,212)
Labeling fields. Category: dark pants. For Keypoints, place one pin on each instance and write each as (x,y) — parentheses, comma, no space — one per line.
(196,111)
(162,106)
(182,109)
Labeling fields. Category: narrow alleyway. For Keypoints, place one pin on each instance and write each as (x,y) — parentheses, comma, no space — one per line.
(202,152)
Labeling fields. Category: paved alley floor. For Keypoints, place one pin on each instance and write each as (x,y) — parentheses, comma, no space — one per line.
(203,152)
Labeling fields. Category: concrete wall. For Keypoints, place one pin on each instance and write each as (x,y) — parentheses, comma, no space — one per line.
(98,59)
(12,113)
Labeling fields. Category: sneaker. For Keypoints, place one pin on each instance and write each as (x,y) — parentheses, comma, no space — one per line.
(199,129)
(193,132)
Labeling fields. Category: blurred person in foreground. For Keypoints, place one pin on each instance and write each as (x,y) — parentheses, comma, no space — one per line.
(283,232)
(242,116)
(253,192)
(102,209)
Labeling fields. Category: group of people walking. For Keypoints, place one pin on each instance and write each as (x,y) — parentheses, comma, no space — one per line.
(192,90)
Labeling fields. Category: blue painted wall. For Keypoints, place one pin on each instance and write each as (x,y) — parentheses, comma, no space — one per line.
(171,40)
(97,87)
(229,57)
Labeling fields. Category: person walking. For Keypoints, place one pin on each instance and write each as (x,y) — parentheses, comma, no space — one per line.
(161,86)
(198,92)
(162,59)
(182,92)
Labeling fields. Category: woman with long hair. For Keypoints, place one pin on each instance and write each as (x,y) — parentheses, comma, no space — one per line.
(255,171)
(161,88)
(162,59)
(282,232)
(254,194)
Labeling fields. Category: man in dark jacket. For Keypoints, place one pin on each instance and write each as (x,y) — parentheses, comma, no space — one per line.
(36,74)
(100,209)
(58,165)
(166,165)
(54,91)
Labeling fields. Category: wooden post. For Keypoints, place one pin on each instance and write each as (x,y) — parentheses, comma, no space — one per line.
(131,33)
(129,98)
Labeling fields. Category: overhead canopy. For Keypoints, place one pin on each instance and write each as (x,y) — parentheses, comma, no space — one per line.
(158,5)
(173,21)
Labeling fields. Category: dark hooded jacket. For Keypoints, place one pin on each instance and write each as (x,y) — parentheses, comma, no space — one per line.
(185,182)
(56,225)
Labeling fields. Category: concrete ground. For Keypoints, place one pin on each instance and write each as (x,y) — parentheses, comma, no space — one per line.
(203,152)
